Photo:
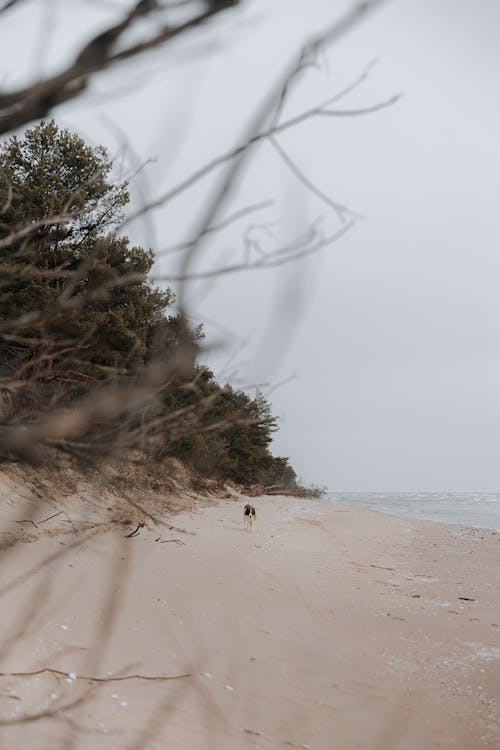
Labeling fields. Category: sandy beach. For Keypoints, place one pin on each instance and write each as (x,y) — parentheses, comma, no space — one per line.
(326,628)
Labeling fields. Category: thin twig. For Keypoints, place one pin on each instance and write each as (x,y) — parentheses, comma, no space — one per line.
(122,678)
(254,131)
(166,541)
(338,208)
(51,517)
(220,226)
(278,257)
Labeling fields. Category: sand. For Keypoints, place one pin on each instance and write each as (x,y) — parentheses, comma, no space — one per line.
(326,628)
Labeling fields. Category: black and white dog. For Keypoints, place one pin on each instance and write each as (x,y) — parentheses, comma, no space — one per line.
(249,516)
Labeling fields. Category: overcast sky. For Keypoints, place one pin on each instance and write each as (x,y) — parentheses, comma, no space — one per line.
(391,334)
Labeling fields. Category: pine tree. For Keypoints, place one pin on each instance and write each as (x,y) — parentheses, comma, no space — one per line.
(74,296)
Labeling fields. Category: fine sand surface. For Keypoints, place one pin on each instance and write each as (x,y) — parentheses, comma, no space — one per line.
(326,628)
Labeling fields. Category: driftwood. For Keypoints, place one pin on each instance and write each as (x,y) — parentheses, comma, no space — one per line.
(135,532)
(28,520)
(166,541)
(49,518)
(52,516)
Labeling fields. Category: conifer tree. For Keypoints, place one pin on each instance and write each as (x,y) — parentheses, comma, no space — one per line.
(75,294)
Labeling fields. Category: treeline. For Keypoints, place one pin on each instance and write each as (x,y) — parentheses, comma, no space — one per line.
(92,358)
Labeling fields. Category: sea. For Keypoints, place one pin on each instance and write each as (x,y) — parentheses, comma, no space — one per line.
(477,509)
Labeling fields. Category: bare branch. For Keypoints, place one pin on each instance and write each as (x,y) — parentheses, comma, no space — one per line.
(361,110)
(339,209)
(239,151)
(336,31)
(37,101)
(278,257)
(223,224)
(8,4)
(25,231)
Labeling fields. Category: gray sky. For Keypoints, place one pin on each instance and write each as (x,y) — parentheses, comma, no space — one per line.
(393,333)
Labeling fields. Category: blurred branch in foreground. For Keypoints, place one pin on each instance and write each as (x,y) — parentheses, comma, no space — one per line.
(95,363)
(92,361)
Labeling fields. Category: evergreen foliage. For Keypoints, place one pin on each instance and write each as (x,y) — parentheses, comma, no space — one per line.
(52,174)
(77,312)
(234,434)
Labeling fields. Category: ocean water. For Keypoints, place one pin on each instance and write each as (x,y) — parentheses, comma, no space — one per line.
(480,509)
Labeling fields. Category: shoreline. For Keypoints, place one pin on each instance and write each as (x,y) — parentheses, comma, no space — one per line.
(452,524)
(337,499)
(328,627)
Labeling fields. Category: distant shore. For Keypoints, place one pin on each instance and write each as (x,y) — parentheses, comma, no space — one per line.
(476,509)
(326,628)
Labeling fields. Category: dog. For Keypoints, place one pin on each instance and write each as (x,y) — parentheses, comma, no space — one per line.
(249,516)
